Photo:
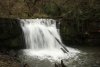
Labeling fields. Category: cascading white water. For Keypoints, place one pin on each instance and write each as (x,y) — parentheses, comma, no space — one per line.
(38,36)
(42,39)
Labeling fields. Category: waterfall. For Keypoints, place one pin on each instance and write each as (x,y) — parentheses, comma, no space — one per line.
(42,39)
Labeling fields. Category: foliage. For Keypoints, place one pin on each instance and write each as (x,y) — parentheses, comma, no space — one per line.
(71,9)
(51,9)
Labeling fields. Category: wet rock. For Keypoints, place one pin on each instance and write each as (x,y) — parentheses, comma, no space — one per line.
(9,28)
(26,65)
(62,63)
(10,33)
(56,65)
(12,53)
(8,61)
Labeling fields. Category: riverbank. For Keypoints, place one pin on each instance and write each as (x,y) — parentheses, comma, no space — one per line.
(8,59)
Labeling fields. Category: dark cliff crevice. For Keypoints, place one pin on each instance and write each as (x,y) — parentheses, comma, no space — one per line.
(11,35)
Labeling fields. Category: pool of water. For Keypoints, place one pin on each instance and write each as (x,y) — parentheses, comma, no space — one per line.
(87,57)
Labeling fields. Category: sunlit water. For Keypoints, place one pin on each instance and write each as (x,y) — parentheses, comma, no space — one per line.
(44,43)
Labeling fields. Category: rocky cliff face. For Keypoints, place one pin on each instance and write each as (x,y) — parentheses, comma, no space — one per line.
(10,33)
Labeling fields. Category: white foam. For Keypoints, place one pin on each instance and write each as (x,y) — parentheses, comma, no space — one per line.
(41,40)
